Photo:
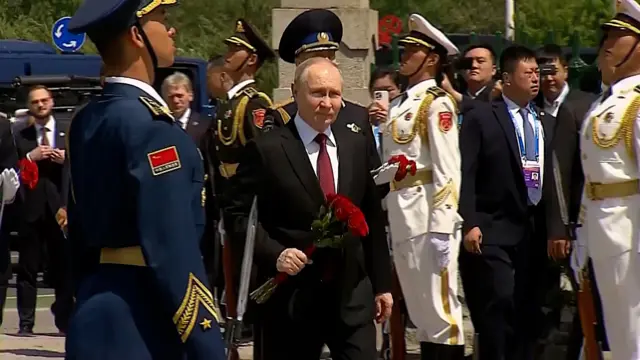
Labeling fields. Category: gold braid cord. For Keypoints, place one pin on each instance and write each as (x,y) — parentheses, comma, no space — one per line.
(419,123)
(187,315)
(238,121)
(441,196)
(624,131)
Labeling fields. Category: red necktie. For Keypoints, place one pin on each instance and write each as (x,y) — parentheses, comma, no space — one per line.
(324,169)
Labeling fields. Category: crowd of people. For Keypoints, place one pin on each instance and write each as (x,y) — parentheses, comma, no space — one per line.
(146,209)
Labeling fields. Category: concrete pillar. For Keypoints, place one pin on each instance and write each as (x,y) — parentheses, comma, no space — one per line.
(357,50)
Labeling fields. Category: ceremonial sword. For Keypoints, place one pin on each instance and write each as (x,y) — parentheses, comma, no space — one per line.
(234,327)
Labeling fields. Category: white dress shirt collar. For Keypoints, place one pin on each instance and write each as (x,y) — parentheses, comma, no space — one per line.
(308,134)
(237,87)
(50,125)
(418,89)
(552,107)
(184,119)
(139,84)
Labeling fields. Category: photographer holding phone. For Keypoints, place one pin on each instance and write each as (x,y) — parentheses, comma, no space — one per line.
(384,86)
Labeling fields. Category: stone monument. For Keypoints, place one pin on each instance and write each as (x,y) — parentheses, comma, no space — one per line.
(357,49)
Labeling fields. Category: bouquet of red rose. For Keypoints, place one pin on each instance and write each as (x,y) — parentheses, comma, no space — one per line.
(28,173)
(335,221)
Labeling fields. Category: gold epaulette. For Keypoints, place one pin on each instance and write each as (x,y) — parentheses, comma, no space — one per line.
(279,107)
(158,110)
(436,91)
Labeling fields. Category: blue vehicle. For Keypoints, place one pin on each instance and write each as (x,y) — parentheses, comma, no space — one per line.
(22,62)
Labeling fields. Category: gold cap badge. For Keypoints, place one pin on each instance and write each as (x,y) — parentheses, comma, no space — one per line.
(412,25)
(323,37)
(239,27)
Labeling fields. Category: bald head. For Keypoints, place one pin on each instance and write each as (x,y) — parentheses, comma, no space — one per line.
(317,88)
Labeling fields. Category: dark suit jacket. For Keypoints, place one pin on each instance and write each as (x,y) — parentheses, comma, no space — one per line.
(196,126)
(468,102)
(8,160)
(566,147)
(493,194)
(48,191)
(276,168)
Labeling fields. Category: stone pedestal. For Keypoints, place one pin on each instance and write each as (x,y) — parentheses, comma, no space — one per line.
(356,49)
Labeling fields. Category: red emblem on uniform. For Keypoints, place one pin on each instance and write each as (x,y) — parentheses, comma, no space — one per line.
(445,121)
(408,116)
(258,117)
(164,160)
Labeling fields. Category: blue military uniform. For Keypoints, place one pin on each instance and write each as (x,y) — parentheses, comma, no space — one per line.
(137,204)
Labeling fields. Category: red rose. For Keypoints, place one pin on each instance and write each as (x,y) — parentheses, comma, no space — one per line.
(358,225)
(412,167)
(28,173)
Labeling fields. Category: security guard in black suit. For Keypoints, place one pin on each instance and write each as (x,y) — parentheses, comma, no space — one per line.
(317,33)
(136,214)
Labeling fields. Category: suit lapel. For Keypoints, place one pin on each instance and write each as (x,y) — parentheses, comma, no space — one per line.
(502,114)
(345,154)
(297,156)
(60,136)
(30,136)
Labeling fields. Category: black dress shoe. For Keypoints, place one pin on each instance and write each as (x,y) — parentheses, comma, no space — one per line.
(25,330)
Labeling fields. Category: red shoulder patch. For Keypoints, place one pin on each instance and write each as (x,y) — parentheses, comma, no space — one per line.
(164,160)
(258,117)
(445,121)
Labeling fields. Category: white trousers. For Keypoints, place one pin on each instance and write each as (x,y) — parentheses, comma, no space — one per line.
(618,280)
(431,295)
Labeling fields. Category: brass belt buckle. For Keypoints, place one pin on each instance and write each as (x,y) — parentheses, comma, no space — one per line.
(592,191)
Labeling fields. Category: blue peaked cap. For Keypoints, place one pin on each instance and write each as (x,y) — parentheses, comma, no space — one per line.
(102,19)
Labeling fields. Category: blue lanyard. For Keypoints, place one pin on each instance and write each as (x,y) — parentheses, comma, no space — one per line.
(523,150)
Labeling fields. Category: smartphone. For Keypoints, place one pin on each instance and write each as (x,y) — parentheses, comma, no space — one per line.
(382,97)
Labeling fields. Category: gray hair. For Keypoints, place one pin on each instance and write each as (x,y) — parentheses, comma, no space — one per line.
(176,79)
(302,70)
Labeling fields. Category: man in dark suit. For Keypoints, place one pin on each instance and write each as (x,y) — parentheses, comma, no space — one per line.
(317,33)
(334,299)
(8,160)
(479,64)
(503,148)
(178,93)
(42,142)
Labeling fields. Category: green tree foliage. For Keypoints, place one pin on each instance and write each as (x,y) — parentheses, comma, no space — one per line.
(203,24)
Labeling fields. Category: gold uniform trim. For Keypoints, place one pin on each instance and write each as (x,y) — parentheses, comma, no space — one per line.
(420,124)
(422,177)
(152,5)
(228,170)
(622,24)
(598,191)
(237,41)
(415,41)
(441,196)
(131,255)
(186,316)
(237,121)
(624,131)
(446,306)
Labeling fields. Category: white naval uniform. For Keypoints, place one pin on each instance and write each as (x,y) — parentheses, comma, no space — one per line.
(610,143)
(419,128)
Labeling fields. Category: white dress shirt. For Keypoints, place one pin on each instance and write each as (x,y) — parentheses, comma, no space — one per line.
(308,135)
(50,125)
(552,108)
(184,119)
(514,111)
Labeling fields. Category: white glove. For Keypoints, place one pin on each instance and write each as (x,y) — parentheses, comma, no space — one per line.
(385,173)
(10,185)
(440,245)
(579,257)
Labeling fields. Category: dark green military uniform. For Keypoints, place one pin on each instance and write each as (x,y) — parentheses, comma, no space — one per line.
(239,118)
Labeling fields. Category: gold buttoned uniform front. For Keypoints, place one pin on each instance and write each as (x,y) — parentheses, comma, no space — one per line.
(610,212)
(422,126)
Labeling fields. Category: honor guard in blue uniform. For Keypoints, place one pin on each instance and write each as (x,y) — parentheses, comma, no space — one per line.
(136,202)
(317,33)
